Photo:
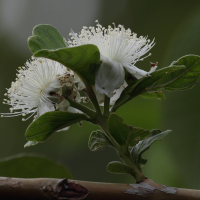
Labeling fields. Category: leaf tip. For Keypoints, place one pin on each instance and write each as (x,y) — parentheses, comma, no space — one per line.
(30,143)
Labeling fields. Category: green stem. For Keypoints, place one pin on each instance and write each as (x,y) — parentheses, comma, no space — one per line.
(106,106)
(103,123)
(128,160)
(124,154)
(92,97)
(82,108)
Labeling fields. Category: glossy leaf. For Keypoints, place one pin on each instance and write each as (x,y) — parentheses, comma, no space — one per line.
(124,134)
(189,76)
(145,144)
(84,59)
(118,129)
(32,166)
(120,101)
(153,95)
(45,37)
(156,81)
(136,135)
(48,123)
(98,140)
(117,167)
(181,75)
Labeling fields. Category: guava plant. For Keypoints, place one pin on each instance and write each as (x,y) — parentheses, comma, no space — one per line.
(97,66)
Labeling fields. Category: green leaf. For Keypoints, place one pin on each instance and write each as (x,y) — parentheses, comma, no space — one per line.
(120,101)
(156,81)
(47,42)
(153,95)
(136,135)
(159,79)
(117,167)
(181,75)
(124,134)
(32,166)
(138,87)
(48,123)
(98,141)
(189,76)
(84,60)
(161,75)
(145,144)
(45,37)
(118,129)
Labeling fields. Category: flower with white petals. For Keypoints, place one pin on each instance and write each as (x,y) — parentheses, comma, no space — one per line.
(38,87)
(119,48)
(101,97)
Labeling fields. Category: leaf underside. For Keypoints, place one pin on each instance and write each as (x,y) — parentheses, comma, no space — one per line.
(145,144)
(98,140)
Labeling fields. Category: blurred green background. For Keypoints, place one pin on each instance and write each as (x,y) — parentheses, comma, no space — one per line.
(175,25)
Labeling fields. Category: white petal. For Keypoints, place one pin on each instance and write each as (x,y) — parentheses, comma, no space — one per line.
(64,129)
(153,69)
(55,83)
(118,93)
(48,90)
(72,110)
(76,78)
(81,85)
(134,71)
(63,106)
(139,73)
(110,76)
(44,107)
(30,143)
(74,94)
(103,58)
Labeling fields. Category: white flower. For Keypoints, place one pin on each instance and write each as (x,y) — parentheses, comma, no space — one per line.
(101,97)
(38,87)
(119,48)
(113,99)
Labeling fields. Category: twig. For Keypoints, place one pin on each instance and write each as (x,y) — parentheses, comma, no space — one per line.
(82,108)
(51,189)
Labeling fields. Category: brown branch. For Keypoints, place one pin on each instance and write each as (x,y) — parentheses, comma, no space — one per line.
(50,189)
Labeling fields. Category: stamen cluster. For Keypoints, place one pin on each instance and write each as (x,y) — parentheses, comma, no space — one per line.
(119,49)
(115,43)
(38,87)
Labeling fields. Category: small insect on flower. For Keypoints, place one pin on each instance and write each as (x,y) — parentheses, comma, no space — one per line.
(38,88)
(119,48)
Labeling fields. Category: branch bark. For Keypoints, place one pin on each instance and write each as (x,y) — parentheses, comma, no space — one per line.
(51,189)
